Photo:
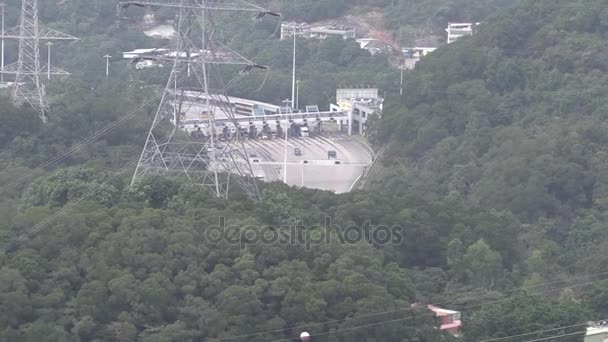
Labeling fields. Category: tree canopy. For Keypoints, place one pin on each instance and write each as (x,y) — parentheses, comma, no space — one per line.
(493,182)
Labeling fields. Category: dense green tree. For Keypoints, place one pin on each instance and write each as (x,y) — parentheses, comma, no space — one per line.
(525,314)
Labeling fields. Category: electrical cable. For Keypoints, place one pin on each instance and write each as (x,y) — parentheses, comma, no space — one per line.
(428,315)
(76,147)
(14,240)
(226,87)
(88,140)
(534,332)
(557,336)
(410,309)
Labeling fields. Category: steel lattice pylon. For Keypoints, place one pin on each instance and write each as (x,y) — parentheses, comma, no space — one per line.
(28,86)
(170,151)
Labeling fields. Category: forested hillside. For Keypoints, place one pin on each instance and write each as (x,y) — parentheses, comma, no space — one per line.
(492,186)
(513,121)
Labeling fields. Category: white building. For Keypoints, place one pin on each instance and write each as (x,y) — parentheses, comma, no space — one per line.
(315,32)
(597,332)
(149,18)
(146,64)
(166,31)
(141,52)
(374,46)
(413,55)
(360,104)
(459,30)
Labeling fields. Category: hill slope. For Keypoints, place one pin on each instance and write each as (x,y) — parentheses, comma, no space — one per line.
(513,118)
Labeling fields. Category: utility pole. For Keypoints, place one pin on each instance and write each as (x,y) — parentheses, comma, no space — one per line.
(285,155)
(297,105)
(287,102)
(293,81)
(2,6)
(107,57)
(401,83)
(48,63)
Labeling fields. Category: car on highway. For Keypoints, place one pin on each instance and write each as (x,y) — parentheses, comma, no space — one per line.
(304,131)
(297,151)
(332,155)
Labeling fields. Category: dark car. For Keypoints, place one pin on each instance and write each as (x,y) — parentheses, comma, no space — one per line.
(297,151)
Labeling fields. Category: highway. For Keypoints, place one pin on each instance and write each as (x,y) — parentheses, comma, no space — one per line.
(319,173)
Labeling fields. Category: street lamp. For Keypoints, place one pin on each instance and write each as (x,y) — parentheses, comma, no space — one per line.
(107,57)
(297,105)
(287,102)
(293,81)
(2,5)
(48,64)
(401,83)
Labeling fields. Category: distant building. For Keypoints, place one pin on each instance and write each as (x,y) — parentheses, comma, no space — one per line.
(413,55)
(374,46)
(149,18)
(450,320)
(165,31)
(597,332)
(360,104)
(316,31)
(458,30)
(146,63)
(141,52)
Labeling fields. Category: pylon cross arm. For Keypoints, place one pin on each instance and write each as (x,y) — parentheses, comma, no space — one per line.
(220,5)
(216,55)
(13,68)
(44,33)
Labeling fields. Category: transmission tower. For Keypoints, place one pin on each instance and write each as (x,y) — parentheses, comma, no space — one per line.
(28,86)
(198,156)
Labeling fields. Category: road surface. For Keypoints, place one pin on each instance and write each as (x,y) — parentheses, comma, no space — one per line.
(319,172)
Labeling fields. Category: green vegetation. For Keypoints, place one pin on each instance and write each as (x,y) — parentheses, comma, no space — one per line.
(494,171)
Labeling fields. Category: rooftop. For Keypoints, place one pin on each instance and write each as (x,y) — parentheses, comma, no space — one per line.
(442,312)
(596,328)
(596,331)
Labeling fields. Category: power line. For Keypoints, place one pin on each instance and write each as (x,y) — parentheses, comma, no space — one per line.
(557,336)
(76,147)
(95,135)
(534,332)
(58,158)
(410,309)
(13,241)
(125,33)
(427,315)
